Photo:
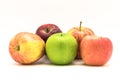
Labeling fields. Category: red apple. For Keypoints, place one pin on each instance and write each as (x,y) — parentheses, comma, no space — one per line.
(46,30)
(79,33)
(26,48)
(96,50)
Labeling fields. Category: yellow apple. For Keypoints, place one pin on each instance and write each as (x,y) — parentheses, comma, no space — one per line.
(26,48)
(79,33)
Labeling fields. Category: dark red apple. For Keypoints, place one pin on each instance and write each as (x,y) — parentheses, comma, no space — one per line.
(46,30)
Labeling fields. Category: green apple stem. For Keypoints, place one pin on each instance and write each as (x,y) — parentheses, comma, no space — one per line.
(80,25)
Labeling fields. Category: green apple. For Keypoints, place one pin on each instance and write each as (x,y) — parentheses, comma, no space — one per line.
(61,48)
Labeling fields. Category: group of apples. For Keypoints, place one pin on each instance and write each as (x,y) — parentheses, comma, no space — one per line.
(79,43)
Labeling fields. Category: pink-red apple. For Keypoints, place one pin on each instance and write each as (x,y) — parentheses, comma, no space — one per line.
(26,48)
(46,30)
(79,33)
(96,50)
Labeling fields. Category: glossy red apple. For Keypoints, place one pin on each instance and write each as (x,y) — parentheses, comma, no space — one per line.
(46,30)
(96,50)
(79,33)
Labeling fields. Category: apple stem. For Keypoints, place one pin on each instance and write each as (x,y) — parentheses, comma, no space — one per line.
(80,25)
(17,48)
(47,30)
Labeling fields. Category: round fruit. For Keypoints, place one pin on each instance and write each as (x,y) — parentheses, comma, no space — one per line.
(79,33)
(46,30)
(61,48)
(26,48)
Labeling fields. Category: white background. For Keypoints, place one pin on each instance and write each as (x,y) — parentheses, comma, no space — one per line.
(26,15)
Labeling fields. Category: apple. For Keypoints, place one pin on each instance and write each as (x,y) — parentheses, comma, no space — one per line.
(79,33)
(61,48)
(26,48)
(96,50)
(46,30)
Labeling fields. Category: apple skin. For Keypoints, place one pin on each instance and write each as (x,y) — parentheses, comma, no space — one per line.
(46,30)
(96,50)
(61,48)
(26,48)
(79,35)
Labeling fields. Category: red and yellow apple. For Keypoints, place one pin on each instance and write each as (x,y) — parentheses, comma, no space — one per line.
(96,50)
(26,48)
(46,30)
(79,33)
